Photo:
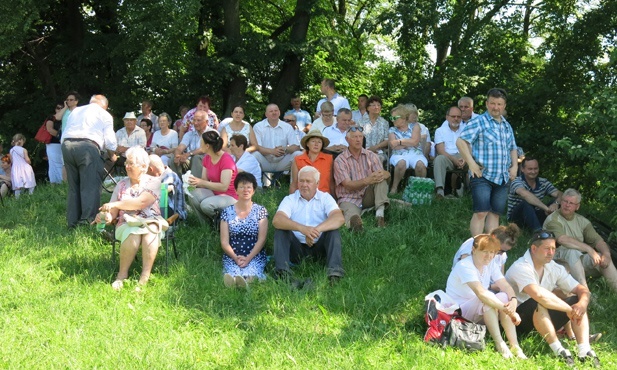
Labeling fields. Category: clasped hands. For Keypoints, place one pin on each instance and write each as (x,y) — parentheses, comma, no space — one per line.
(311,233)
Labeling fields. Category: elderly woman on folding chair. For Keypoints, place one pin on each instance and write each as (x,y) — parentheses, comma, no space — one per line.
(135,198)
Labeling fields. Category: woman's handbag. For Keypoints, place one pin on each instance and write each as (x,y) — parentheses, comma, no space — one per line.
(155,224)
(42,135)
(464,334)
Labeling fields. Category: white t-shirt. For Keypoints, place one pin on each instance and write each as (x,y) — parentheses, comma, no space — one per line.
(248,163)
(318,124)
(169,141)
(466,272)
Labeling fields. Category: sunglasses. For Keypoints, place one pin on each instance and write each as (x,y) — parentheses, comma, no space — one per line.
(355,128)
(542,235)
(290,120)
(394,118)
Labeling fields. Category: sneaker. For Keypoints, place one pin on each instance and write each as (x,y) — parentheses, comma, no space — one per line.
(566,356)
(241,282)
(355,224)
(590,356)
(229,281)
(595,337)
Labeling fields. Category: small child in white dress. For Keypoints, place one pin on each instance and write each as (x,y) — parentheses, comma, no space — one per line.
(22,175)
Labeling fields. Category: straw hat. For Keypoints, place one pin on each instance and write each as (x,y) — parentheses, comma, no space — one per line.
(129,115)
(315,133)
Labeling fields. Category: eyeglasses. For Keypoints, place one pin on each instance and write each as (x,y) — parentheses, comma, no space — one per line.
(129,164)
(394,118)
(542,235)
(449,115)
(355,128)
(290,120)
(71,99)
(569,203)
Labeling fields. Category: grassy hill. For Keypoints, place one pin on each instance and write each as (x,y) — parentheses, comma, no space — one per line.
(58,309)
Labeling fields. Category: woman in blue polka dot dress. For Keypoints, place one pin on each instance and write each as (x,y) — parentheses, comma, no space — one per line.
(244,227)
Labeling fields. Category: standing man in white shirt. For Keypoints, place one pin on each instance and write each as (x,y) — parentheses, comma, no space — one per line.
(338,101)
(89,130)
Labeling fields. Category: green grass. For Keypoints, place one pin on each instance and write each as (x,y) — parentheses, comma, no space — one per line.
(57,308)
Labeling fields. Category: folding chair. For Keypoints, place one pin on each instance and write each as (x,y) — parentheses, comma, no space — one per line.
(169,233)
(273,177)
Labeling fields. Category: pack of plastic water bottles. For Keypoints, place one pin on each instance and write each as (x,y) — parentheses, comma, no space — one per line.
(419,191)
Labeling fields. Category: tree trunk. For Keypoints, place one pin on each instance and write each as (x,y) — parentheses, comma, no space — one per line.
(235,92)
(288,80)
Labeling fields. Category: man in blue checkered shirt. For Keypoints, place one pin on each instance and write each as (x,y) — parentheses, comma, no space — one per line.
(487,145)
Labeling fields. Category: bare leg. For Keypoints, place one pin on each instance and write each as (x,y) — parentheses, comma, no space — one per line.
(128,249)
(510,330)
(581,330)
(492,324)
(399,172)
(477,223)
(492,222)
(543,324)
(149,248)
(610,274)
(420,169)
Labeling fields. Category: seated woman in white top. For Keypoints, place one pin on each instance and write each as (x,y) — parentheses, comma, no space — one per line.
(238,127)
(468,285)
(164,141)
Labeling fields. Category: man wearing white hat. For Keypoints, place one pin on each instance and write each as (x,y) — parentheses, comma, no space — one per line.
(130,135)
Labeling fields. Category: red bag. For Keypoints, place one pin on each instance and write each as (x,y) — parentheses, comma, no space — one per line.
(42,135)
(439,309)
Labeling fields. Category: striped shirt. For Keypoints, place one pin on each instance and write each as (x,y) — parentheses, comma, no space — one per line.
(491,143)
(347,167)
(542,189)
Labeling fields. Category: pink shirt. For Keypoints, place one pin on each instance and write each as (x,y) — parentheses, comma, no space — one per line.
(214,171)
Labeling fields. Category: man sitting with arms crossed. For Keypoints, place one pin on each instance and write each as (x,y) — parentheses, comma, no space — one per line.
(580,245)
(533,278)
(525,206)
(361,182)
(307,224)
(191,143)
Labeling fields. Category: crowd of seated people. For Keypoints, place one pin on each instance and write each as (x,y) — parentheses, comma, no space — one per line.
(337,173)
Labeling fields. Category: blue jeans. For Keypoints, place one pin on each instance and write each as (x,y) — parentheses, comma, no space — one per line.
(526,215)
(488,196)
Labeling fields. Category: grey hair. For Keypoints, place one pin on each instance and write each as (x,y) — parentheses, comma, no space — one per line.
(572,193)
(312,170)
(327,106)
(467,99)
(168,118)
(139,156)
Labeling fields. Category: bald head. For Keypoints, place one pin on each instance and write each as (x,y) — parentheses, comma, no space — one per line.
(101,100)
(156,167)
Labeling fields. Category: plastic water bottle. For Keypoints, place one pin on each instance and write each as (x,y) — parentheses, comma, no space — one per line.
(101,225)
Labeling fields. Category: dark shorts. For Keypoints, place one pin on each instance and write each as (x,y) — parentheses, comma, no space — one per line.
(488,196)
(528,308)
